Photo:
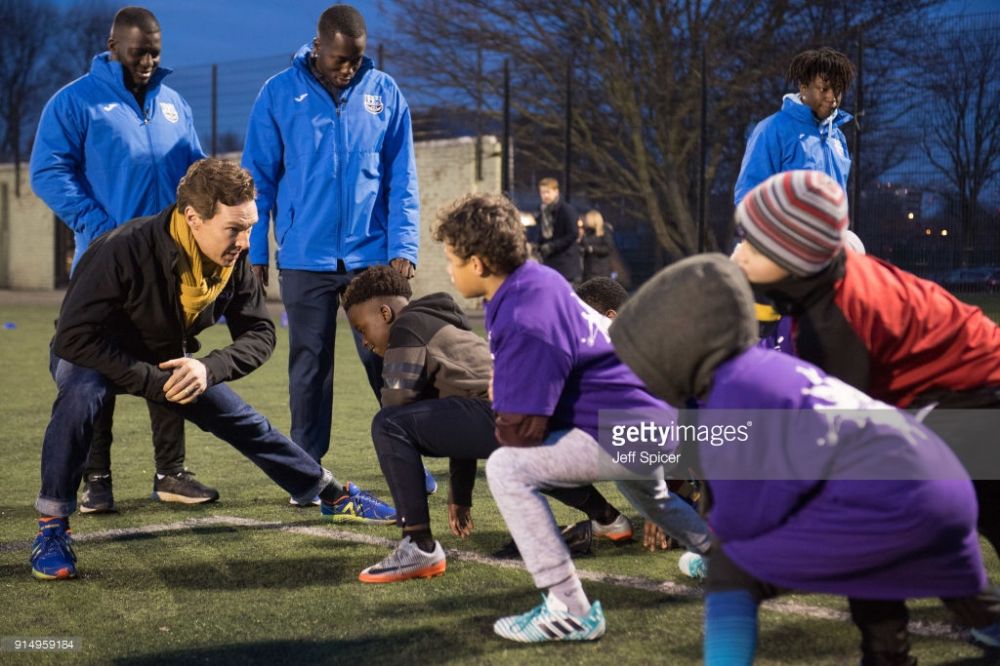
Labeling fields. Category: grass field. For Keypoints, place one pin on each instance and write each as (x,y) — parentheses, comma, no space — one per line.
(252,580)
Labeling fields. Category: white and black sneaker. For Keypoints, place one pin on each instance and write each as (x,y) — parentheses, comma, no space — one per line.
(552,621)
(97,496)
(406,562)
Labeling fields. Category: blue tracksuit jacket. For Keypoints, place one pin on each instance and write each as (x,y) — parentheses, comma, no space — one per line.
(339,179)
(792,139)
(99,160)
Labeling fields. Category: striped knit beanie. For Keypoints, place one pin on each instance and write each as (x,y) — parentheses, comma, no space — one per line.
(796,219)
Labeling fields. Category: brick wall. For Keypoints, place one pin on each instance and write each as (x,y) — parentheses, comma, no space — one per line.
(446,169)
(27,236)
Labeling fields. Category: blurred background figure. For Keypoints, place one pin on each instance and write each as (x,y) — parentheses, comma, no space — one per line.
(557,232)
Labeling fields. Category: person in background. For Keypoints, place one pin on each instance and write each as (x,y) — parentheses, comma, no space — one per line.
(805,133)
(558,232)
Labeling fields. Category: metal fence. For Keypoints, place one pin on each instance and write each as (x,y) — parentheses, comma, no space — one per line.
(906,209)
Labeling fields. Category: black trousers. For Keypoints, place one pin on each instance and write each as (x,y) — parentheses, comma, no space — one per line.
(885,640)
(957,421)
(458,428)
(168,439)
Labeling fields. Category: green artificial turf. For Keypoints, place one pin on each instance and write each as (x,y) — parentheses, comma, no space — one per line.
(228,593)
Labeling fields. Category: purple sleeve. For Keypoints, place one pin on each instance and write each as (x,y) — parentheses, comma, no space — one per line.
(528,375)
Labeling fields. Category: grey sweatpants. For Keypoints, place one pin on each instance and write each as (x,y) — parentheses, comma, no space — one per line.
(567,459)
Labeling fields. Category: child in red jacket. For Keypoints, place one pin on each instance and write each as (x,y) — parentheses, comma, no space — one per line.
(901,339)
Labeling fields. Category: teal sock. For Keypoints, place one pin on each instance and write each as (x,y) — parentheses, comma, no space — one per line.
(730,628)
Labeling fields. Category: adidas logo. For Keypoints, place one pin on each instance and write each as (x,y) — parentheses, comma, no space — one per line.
(556,629)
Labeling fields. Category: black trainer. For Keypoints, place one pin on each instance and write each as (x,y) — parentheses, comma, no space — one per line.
(97,496)
(578,537)
(182,487)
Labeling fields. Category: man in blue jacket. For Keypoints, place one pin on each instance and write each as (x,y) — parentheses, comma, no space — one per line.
(330,146)
(805,133)
(112,146)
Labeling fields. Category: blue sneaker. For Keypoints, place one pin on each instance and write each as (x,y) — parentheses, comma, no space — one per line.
(358,506)
(430,485)
(552,621)
(988,636)
(52,556)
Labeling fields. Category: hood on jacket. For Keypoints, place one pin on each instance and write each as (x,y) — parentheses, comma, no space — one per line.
(110,71)
(301,60)
(792,105)
(677,360)
(440,306)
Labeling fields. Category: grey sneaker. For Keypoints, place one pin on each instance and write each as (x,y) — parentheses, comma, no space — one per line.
(97,496)
(406,562)
(618,530)
(182,487)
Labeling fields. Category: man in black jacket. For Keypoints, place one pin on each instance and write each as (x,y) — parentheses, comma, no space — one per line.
(558,232)
(137,299)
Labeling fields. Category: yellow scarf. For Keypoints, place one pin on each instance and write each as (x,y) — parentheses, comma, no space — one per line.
(197,292)
(766,313)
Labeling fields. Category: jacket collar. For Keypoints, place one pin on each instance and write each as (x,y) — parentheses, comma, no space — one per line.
(166,249)
(110,72)
(794,295)
(793,106)
(301,61)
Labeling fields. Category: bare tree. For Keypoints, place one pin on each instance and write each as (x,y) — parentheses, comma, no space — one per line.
(86,25)
(41,49)
(962,123)
(24,73)
(636,82)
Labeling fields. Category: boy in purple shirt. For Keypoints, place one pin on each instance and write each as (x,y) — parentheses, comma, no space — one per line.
(436,374)
(803,505)
(553,370)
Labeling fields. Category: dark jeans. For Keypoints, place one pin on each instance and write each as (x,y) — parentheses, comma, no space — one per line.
(83,393)
(168,439)
(311,301)
(885,640)
(458,428)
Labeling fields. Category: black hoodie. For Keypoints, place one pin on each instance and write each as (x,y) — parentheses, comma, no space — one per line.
(432,353)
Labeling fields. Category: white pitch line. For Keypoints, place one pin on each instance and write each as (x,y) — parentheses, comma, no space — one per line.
(918,627)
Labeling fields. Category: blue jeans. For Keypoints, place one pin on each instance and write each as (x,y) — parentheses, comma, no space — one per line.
(311,301)
(83,393)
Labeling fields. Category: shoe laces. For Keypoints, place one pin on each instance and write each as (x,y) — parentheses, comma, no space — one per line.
(54,537)
(529,618)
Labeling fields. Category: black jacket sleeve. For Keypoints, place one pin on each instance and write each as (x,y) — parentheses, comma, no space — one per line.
(564,230)
(251,327)
(462,472)
(599,246)
(100,293)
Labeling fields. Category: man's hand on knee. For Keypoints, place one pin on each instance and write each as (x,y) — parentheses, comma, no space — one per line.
(188,380)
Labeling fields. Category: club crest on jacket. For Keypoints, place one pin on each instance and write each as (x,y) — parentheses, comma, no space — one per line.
(373,104)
